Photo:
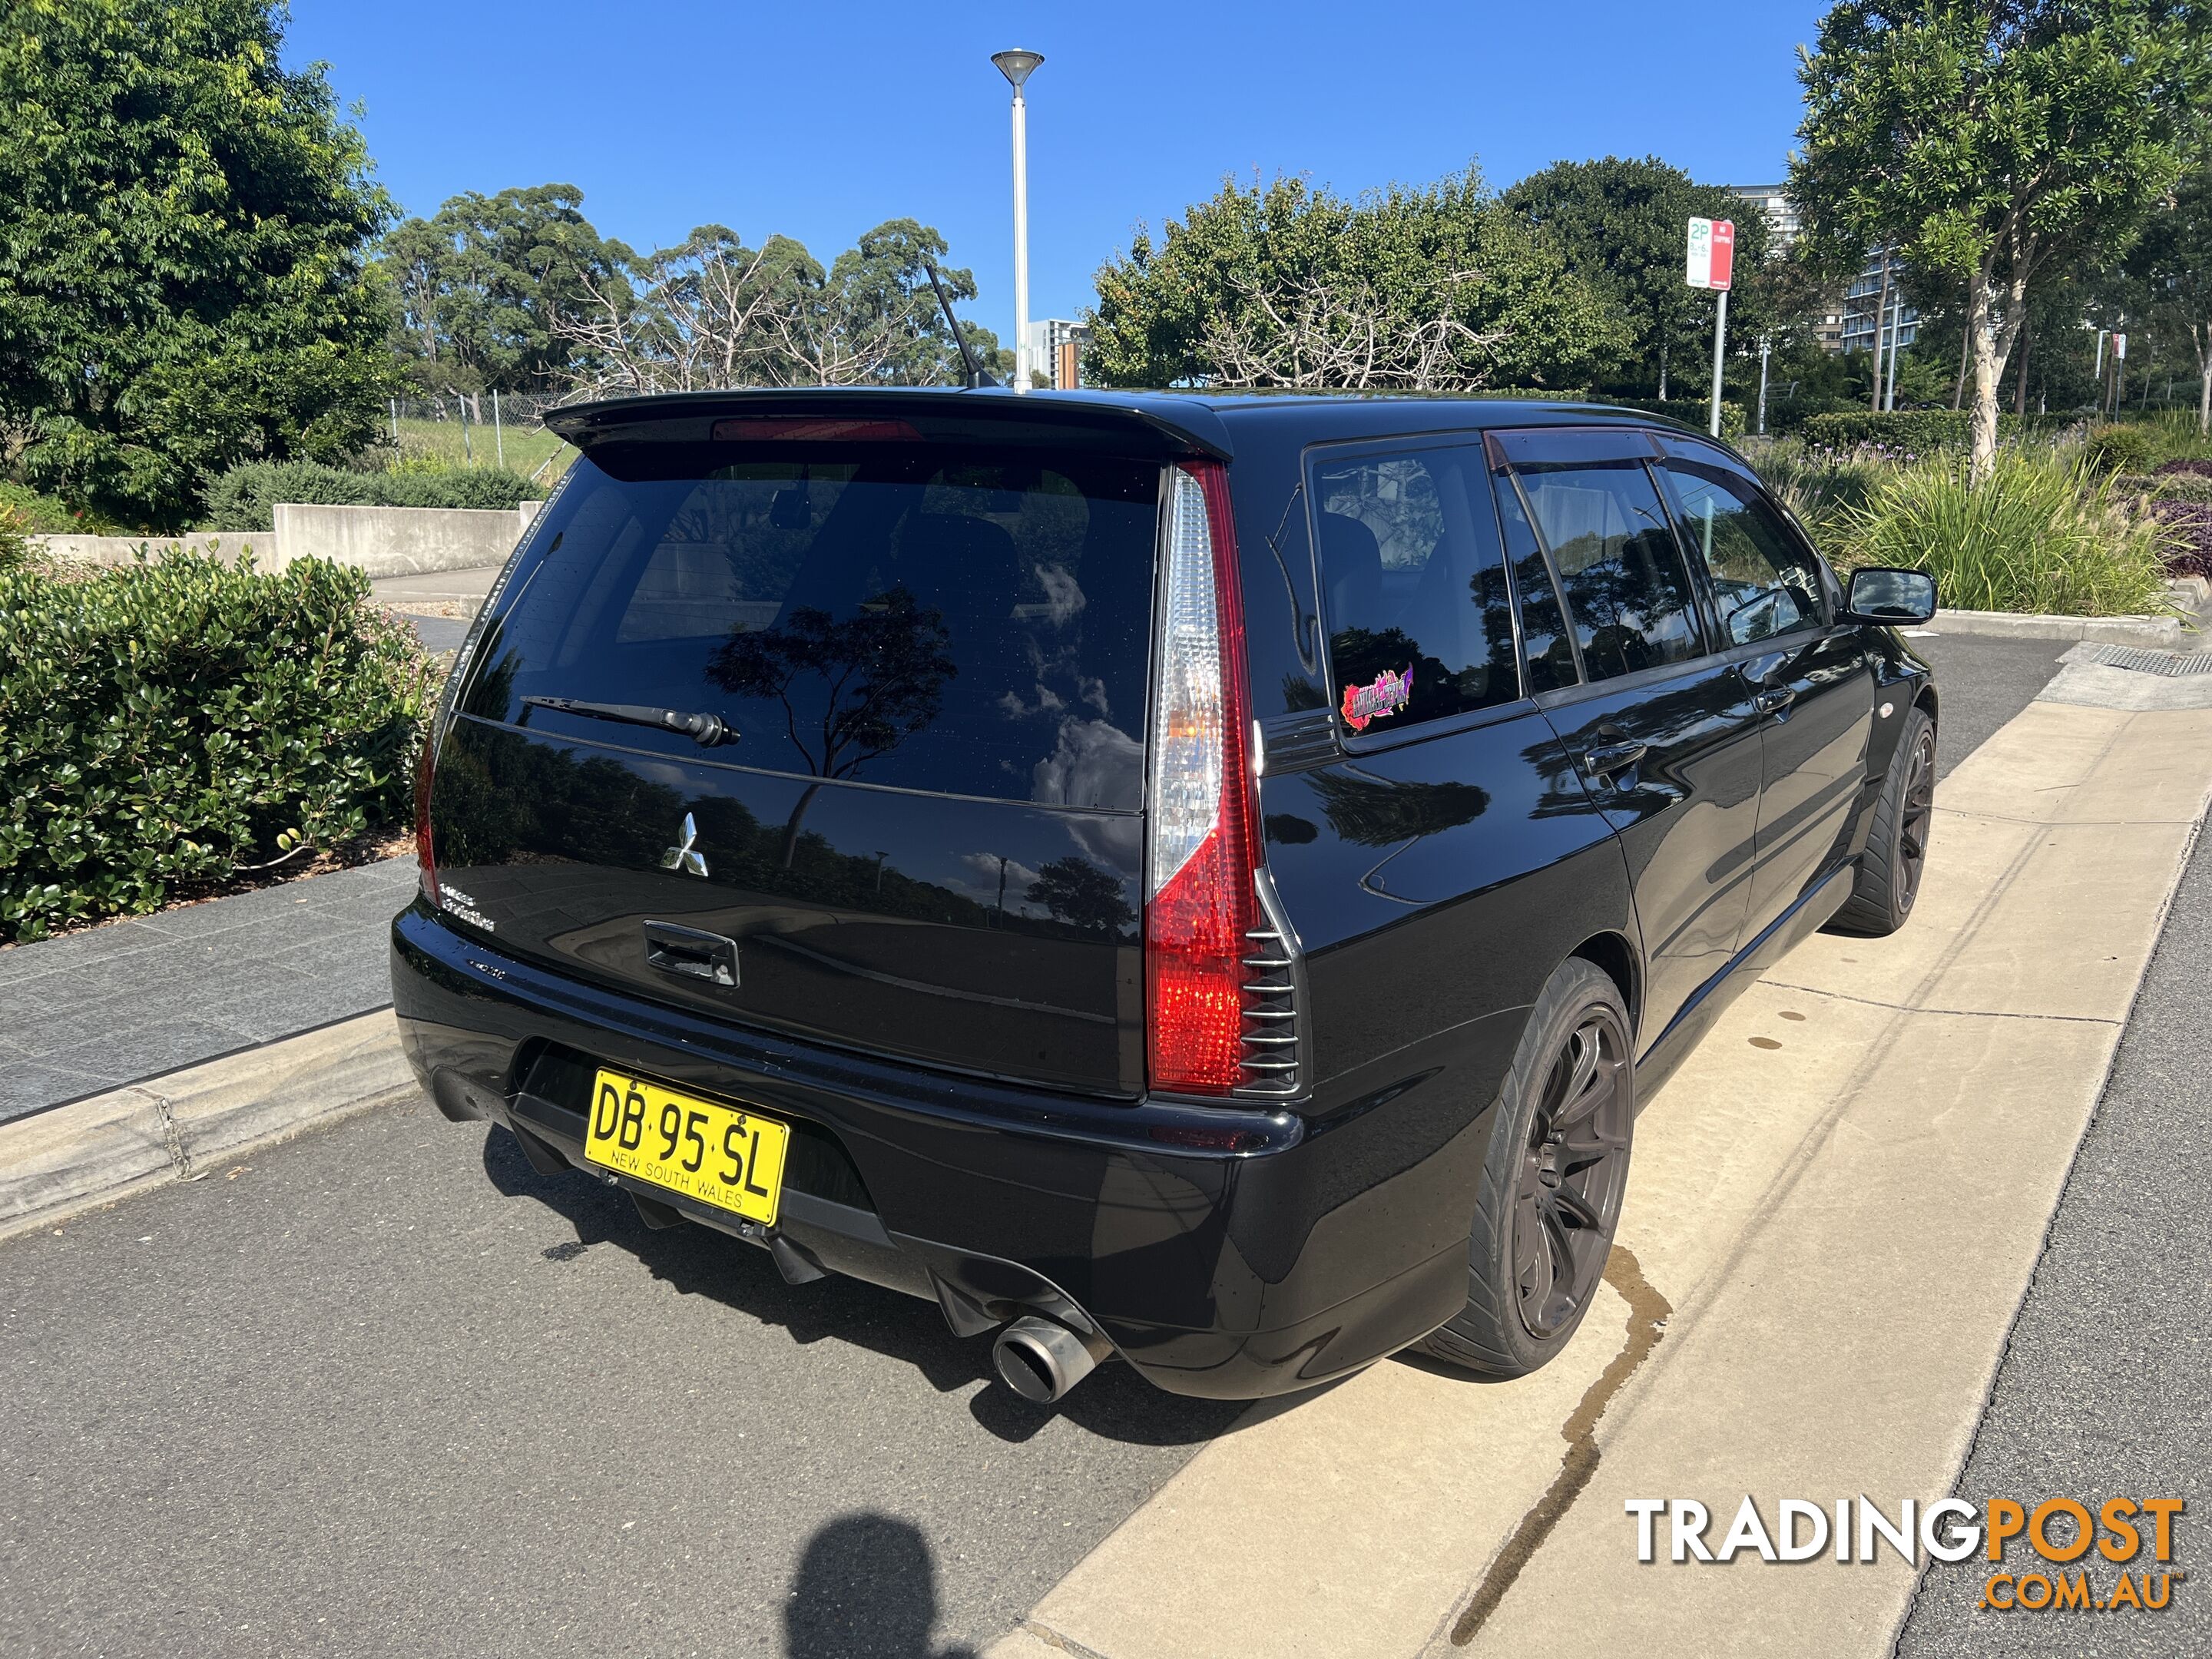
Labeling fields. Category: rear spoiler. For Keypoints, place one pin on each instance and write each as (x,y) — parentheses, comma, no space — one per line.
(1142,424)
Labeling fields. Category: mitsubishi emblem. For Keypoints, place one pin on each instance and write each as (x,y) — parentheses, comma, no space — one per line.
(682,857)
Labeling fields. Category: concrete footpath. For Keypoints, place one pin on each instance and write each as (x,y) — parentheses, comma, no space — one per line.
(1834,1210)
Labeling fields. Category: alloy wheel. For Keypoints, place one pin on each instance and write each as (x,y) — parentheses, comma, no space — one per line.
(1918,814)
(1573,1172)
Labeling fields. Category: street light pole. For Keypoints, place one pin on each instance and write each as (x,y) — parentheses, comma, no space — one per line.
(1018,65)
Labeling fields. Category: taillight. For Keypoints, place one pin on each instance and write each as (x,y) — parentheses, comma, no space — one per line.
(425,853)
(1202,852)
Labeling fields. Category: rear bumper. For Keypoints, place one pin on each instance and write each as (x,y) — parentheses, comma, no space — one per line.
(1214,1267)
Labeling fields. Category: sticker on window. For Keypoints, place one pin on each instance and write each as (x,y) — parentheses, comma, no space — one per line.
(1388,693)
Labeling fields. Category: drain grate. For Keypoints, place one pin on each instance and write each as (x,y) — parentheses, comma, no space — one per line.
(2171,664)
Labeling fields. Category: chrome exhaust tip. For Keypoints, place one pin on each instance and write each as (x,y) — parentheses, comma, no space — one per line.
(1041,1359)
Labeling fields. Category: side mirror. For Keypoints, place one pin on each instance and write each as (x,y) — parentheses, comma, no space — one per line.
(1889,596)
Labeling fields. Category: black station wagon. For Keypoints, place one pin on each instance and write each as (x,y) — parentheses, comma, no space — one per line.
(1197,879)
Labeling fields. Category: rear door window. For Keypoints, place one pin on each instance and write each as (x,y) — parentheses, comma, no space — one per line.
(907,616)
(1631,603)
(1420,615)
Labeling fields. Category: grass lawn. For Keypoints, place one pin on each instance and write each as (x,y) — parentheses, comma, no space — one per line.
(526,448)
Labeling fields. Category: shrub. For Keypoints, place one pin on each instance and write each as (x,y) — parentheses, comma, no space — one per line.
(2039,534)
(245,497)
(1691,411)
(15,542)
(1818,484)
(1915,431)
(45,515)
(1918,431)
(2188,525)
(2130,448)
(173,723)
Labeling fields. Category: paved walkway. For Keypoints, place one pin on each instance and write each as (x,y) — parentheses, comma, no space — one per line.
(439,606)
(94,1011)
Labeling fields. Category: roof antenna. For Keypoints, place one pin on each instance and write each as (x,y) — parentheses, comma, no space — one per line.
(975,376)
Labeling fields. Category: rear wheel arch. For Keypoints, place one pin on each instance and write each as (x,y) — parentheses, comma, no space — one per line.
(1615,956)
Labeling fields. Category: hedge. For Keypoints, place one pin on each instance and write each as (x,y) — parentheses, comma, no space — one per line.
(1691,411)
(245,497)
(1917,431)
(171,724)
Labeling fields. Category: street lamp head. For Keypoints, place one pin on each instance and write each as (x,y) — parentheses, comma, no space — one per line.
(1017,66)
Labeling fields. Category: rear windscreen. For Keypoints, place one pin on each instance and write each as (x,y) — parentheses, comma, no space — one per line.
(898,614)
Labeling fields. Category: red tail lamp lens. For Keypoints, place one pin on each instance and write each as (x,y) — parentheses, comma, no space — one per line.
(1202,852)
(425,853)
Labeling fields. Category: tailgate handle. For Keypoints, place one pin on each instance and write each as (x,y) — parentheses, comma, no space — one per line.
(687,951)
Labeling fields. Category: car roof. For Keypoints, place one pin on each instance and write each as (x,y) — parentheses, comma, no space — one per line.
(1204,421)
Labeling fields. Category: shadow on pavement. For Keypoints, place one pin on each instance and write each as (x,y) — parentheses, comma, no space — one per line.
(866,1589)
(1114,1403)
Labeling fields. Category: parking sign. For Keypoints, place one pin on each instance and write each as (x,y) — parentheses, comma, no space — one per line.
(1711,253)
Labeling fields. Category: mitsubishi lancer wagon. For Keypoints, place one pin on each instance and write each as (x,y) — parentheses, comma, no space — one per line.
(1196,882)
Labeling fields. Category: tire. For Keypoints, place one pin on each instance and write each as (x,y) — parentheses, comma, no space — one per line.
(1551,1183)
(1889,871)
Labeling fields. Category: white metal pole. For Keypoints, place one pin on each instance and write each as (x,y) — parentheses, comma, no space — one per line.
(498,432)
(1766,344)
(1896,321)
(1021,243)
(1720,348)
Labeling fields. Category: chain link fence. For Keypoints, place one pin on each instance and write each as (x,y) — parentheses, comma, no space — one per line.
(487,429)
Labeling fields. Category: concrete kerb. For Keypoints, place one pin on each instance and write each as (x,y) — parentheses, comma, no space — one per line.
(2158,633)
(177,1126)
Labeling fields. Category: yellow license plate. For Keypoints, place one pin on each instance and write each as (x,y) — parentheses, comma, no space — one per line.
(703,1149)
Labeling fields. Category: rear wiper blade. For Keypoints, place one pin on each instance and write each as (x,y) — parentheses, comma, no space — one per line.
(705,729)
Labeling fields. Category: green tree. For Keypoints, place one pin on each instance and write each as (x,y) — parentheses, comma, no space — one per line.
(1285,284)
(1994,142)
(2174,264)
(484,286)
(712,311)
(1623,225)
(183,224)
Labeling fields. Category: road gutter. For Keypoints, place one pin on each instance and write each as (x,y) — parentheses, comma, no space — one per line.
(55,1163)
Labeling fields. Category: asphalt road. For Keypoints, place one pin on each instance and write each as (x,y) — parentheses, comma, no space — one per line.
(1981,683)
(386,1391)
(2106,1389)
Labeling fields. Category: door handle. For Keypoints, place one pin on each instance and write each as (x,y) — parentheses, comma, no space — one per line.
(1602,760)
(1774,700)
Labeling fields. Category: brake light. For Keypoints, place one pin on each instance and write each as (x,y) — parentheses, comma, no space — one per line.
(426,855)
(753,428)
(1202,852)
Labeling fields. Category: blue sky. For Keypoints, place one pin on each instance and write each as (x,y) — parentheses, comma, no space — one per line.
(819,121)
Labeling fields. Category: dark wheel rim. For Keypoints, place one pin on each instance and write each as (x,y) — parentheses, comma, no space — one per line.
(1914,821)
(1572,1174)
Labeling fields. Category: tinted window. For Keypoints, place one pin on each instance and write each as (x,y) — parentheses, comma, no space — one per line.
(1625,586)
(914,618)
(1420,623)
(1547,655)
(1765,583)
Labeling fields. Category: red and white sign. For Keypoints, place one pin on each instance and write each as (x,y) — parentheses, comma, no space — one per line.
(1712,254)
